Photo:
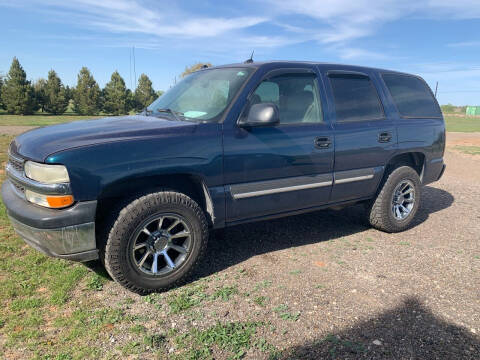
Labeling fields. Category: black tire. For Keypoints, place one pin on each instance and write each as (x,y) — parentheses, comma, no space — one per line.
(117,255)
(380,211)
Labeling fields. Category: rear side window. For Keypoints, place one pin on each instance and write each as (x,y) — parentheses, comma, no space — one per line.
(355,98)
(412,96)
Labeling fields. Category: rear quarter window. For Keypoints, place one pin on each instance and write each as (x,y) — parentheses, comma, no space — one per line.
(355,98)
(412,96)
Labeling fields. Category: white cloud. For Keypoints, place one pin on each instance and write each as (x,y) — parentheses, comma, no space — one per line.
(336,25)
(123,16)
(465,44)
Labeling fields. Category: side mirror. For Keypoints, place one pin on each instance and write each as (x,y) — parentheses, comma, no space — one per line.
(263,114)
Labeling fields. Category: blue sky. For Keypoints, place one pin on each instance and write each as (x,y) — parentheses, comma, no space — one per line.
(437,39)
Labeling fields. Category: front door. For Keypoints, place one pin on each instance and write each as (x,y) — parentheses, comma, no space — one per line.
(277,169)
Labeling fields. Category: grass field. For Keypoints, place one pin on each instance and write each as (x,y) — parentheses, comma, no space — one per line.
(50,309)
(454,123)
(40,119)
(462,123)
(471,150)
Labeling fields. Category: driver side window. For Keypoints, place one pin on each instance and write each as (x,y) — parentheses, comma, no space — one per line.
(295,95)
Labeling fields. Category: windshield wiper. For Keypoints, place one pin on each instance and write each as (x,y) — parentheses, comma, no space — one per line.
(175,114)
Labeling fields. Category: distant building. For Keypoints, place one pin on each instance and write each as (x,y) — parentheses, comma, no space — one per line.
(472,110)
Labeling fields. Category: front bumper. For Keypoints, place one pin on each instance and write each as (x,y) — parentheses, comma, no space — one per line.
(67,234)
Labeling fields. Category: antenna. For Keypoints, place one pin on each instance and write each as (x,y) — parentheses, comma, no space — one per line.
(436,88)
(249,61)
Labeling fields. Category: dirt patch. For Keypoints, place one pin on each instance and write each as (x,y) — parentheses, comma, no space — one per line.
(15,130)
(325,285)
(458,138)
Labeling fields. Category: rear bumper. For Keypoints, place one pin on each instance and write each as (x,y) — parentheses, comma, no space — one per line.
(441,172)
(67,234)
(433,171)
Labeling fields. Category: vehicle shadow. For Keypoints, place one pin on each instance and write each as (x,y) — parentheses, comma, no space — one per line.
(409,331)
(238,243)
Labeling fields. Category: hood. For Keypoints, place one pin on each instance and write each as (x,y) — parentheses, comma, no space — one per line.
(39,143)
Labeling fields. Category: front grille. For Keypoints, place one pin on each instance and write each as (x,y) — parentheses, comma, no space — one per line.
(16,163)
(20,188)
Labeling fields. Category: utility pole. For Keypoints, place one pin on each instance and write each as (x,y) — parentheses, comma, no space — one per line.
(130,55)
(134,69)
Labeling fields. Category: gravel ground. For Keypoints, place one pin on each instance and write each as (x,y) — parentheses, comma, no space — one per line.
(354,292)
(324,285)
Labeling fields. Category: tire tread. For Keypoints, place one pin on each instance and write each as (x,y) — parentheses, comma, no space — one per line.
(111,258)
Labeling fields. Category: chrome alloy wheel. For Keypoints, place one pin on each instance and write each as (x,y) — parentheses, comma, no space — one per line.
(403,199)
(161,244)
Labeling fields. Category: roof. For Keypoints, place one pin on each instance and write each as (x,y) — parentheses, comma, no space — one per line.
(257,64)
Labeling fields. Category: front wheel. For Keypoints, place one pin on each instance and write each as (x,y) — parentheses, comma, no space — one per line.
(397,202)
(156,242)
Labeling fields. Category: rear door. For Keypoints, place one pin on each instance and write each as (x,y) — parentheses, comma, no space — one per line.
(365,138)
(276,169)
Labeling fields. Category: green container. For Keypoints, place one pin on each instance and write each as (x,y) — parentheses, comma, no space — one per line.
(473,110)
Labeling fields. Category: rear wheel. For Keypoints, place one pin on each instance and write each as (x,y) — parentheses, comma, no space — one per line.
(397,202)
(156,242)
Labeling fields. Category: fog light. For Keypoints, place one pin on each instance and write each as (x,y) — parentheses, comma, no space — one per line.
(50,201)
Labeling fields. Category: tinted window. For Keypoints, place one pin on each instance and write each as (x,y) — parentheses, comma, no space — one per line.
(296,96)
(412,96)
(355,98)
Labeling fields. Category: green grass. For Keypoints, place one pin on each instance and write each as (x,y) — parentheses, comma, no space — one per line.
(234,337)
(40,119)
(186,298)
(462,123)
(225,293)
(471,150)
(260,300)
(284,314)
(37,310)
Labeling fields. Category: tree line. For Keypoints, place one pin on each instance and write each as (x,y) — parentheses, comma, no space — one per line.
(22,97)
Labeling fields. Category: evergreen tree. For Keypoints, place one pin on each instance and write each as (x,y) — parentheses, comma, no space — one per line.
(40,95)
(195,67)
(1,85)
(56,99)
(115,95)
(87,95)
(130,100)
(144,93)
(68,93)
(17,92)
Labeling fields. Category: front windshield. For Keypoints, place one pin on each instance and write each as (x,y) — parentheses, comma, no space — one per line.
(203,95)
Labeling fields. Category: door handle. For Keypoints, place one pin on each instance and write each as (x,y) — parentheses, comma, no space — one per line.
(322,142)
(384,137)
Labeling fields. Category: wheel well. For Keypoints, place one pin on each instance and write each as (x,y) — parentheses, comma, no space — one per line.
(117,196)
(414,159)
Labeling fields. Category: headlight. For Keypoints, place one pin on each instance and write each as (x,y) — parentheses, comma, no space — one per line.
(50,201)
(47,174)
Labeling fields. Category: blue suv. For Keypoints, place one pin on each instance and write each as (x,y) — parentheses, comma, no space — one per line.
(226,145)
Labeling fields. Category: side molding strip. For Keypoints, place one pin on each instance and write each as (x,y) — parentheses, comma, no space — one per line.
(259,188)
(343,177)
(246,190)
